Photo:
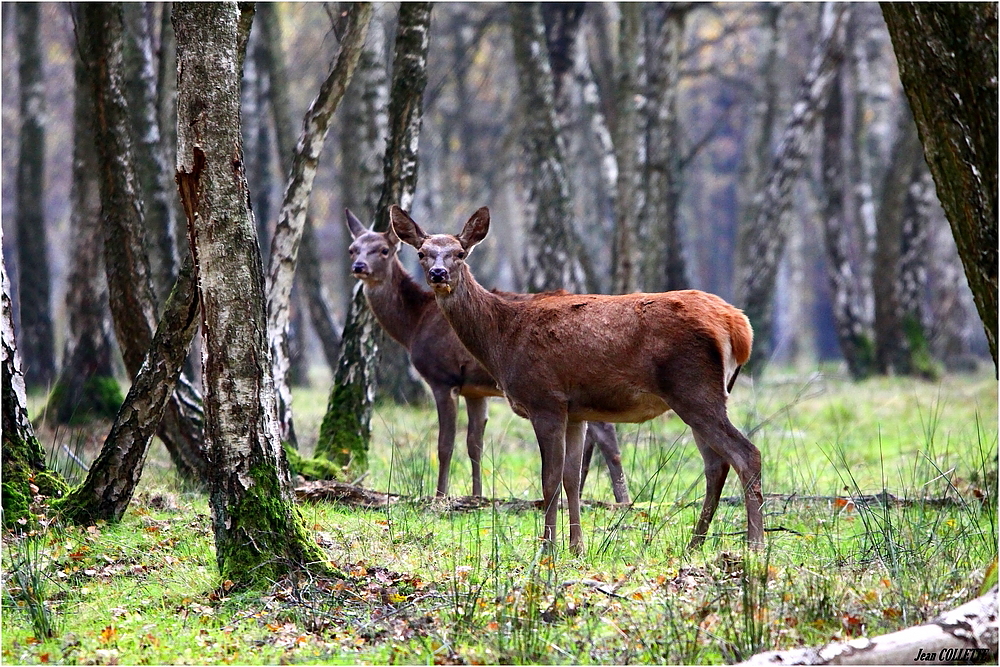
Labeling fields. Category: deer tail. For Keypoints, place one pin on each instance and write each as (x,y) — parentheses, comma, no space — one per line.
(740,344)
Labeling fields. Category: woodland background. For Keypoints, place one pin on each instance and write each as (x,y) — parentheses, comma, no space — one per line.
(739,69)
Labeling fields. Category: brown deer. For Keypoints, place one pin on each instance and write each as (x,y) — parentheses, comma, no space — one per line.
(409,314)
(562,360)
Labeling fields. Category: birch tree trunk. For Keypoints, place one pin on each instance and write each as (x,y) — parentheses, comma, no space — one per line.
(893,352)
(663,266)
(273,62)
(553,256)
(964,635)
(131,296)
(346,427)
(764,237)
(853,331)
(151,168)
(23,458)
(950,81)
(33,281)
(291,219)
(259,533)
(626,127)
(113,476)
(86,387)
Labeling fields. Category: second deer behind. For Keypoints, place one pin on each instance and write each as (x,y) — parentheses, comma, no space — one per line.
(409,314)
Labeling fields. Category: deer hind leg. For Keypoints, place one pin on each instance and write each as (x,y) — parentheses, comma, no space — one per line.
(571,481)
(607,440)
(703,408)
(476,407)
(550,430)
(716,470)
(447,415)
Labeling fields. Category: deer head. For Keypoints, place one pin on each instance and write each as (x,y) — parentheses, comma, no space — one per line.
(442,256)
(372,253)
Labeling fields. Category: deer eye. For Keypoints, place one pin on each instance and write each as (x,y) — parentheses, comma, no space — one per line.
(420,255)
(385,252)
(461,254)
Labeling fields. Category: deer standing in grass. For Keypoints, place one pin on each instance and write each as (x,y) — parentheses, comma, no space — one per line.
(562,360)
(408,313)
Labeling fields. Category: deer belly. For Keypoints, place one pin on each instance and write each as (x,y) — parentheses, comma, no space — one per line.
(632,409)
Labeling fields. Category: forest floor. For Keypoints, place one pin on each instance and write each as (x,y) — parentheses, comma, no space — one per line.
(880,511)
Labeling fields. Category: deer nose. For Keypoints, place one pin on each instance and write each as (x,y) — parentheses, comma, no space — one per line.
(359,267)
(438,274)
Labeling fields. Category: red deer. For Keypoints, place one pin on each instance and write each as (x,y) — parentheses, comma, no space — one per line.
(408,313)
(562,360)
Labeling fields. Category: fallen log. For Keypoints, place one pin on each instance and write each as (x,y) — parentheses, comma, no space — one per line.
(965,635)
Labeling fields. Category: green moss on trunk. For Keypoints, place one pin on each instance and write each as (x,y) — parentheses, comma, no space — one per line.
(344,434)
(313,468)
(23,466)
(99,397)
(266,537)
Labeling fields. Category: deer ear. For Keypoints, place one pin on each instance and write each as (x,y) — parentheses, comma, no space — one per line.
(475,229)
(405,228)
(353,224)
(391,236)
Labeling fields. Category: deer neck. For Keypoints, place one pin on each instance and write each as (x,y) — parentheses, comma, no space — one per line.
(478,317)
(399,303)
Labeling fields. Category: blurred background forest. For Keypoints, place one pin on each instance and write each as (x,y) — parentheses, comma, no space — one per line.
(678,109)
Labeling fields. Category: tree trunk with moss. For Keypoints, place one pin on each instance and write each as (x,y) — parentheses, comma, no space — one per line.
(853,332)
(33,281)
(106,492)
(292,218)
(346,428)
(24,472)
(947,55)
(86,387)
(132,298)
(763,236)
(259,533)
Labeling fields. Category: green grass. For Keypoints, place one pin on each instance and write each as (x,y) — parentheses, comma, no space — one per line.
(424,585)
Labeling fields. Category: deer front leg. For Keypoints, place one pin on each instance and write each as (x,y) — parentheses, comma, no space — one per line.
(476,407)
(550,430)
(571,481)
(447,414)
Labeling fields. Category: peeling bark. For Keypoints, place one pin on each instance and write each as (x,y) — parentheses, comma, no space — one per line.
(259,534)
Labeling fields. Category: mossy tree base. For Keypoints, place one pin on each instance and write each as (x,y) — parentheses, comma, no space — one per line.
(24,478)
(344,434)
(97,397)
(263,535)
